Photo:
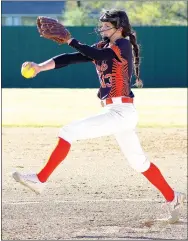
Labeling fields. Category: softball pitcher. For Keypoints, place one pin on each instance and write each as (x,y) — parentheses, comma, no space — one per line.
(114,57)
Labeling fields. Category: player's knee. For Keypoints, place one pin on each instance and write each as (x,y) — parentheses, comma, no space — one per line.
(139,163)
(67,134)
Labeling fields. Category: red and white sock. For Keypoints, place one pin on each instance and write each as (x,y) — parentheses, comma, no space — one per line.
(154,176)
(57,156)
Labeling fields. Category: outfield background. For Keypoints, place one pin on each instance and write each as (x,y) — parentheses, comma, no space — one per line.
(163,58)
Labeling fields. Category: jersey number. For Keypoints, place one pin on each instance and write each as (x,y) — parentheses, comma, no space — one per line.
(106,80)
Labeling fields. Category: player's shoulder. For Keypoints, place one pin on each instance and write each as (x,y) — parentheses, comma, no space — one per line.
(123,45)
(99,45)
(122,42)
(122,48)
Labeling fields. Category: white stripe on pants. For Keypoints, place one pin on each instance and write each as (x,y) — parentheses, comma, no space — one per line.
(115,119)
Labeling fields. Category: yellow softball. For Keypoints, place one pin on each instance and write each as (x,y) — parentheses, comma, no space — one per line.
(27,72)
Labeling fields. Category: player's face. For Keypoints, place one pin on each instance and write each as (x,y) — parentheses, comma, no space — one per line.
(107,29)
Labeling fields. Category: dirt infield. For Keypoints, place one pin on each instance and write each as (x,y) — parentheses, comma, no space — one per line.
(94,194)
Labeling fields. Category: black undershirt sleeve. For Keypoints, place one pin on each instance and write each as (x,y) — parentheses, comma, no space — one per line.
(63,60)
(92,52)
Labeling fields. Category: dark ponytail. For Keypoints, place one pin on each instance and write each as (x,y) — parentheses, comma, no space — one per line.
(136,52)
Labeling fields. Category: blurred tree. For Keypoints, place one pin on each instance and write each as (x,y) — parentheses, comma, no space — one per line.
(84,13)
(79,4)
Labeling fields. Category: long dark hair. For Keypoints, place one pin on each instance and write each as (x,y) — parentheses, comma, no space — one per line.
(136,52)
(119,19)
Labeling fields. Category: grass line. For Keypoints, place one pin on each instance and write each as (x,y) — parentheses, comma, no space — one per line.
(57,107)
(59,126)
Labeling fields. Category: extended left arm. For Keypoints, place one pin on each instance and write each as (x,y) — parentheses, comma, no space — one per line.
(92,52)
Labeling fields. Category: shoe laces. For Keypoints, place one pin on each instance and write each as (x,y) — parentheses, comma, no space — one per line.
(174,204)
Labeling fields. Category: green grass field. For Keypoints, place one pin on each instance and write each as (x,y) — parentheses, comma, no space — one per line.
(56,107)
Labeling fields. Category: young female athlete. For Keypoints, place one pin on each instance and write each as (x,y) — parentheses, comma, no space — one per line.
(114,58)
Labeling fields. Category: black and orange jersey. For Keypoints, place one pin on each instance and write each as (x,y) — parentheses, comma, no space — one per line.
(113,64)
(115,73)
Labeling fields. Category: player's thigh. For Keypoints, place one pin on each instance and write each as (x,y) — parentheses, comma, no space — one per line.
(105,123)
